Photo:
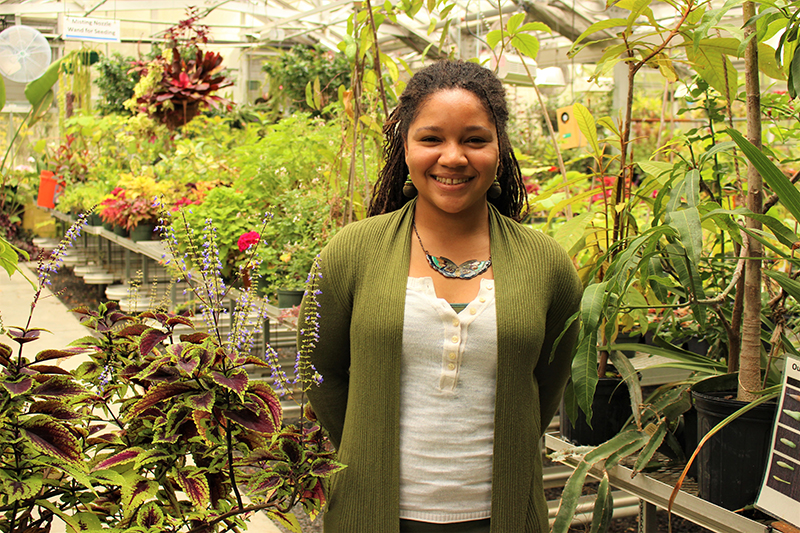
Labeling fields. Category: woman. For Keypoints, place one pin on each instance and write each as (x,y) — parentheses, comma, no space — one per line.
(438,318)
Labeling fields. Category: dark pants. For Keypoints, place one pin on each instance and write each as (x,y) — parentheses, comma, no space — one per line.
(473,526)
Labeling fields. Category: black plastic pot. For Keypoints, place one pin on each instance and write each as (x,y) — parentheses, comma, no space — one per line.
(142,232)
(289,297)
(611,408)
(731,465)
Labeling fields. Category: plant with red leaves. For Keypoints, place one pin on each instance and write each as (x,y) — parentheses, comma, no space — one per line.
(189,77)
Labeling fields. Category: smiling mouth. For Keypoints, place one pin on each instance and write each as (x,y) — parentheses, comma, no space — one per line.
(449,181)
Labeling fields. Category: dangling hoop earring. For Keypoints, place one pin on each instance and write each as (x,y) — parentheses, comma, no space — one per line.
(409,191)
(495,190)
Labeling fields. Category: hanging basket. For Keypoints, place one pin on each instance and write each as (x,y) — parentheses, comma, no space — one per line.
(180,115)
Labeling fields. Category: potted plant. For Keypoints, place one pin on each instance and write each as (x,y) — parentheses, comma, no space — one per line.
(175,86)
(295,237)
(83,197)
(134,205)
(672,262)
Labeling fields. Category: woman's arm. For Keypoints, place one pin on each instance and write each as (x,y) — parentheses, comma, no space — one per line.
(552,375)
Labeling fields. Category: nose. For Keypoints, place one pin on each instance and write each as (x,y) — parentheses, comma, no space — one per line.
(453,155)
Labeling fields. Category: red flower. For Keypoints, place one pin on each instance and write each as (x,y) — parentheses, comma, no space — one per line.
(552,169)
(246,240)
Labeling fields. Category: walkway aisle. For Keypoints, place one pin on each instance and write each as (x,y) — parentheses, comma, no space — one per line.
(16,295)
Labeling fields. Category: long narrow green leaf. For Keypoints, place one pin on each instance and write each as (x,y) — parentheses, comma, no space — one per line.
(687,189)
(603,506)
(675,354)
(36,90)
(587,126)
(600,26)
(689,227)
(569,200)
(791,286)
(569,498)
(584,373)
(613,445)
(650,448)
(689,277)
(627,449)
(788,195)
(631,379)
(2,93)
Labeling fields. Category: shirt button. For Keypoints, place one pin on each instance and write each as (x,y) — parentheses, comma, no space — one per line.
(482,300)
(455,339)
(456,322)
(490,286)
(451,366)
(472,310)
(452,356)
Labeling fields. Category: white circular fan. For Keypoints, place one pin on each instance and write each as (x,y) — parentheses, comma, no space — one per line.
(24,53)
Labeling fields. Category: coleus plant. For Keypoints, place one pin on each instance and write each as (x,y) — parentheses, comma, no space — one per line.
(160,429)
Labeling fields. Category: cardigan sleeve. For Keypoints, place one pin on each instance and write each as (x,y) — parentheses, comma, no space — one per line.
(330,354)
(553,368)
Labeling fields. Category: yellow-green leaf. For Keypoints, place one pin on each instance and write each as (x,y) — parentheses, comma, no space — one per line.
(600,26)
(535,26)
(493,37)
(526,44)
(514,22)
(587,126)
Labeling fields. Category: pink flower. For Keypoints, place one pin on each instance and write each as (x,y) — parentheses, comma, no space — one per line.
(246,240)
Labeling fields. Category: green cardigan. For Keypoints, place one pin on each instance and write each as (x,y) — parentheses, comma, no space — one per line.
(364,273)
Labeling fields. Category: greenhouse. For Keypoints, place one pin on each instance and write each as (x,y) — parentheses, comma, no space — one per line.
(444,266)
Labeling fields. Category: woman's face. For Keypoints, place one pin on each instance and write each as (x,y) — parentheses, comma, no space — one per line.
(452,152)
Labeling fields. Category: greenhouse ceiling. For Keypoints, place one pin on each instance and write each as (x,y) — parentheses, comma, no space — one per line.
(263,24)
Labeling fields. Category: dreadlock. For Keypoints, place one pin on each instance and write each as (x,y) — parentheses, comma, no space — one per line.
(448,75)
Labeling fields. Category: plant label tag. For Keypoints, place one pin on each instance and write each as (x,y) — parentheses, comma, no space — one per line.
(780,489)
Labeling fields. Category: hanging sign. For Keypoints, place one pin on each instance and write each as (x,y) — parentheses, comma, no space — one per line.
(780,490)
(89,29)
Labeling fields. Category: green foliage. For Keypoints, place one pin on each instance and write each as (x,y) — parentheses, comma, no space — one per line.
(301,226)
(292,70)
(298,149)
(160,428)
(81,197)
(116,82)
(236,212)
(9,256)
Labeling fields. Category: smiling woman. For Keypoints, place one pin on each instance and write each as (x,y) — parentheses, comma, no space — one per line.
(441,371)
(452,156)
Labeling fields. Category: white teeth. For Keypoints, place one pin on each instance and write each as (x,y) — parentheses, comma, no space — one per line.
(452,181)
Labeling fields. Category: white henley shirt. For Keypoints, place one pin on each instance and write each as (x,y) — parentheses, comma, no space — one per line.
(447,400)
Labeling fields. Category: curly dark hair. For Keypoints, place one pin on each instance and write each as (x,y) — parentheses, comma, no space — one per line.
(448,75)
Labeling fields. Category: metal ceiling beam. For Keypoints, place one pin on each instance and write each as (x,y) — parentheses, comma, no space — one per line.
(304,14)
(561,19)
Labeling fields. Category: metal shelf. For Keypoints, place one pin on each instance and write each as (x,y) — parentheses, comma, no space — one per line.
(656,494)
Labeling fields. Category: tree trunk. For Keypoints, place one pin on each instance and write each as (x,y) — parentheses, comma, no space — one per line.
(750,358)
